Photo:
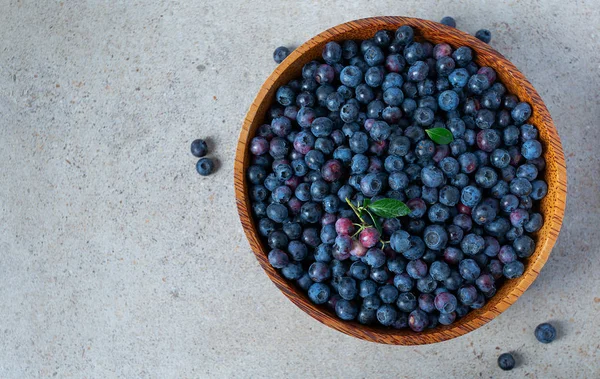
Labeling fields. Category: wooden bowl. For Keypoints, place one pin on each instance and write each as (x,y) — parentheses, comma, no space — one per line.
(552,206)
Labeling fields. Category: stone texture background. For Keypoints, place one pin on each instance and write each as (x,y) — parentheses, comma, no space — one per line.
(117,259)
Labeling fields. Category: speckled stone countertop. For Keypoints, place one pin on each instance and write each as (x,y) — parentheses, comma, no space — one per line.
(117,259)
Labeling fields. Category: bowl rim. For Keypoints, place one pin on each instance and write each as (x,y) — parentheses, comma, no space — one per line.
(475,318)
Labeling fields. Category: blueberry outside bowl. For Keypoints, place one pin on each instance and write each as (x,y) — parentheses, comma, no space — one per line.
(552,206)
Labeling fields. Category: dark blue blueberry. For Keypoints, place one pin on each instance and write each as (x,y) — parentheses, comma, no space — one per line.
(435,237)
(302,192)
(360,63)
(486,177)
(506,361)
(200,149)
(258,192)
(498,228)
(404,35)
(393,96)
(429,194)
(349,49)
(445,302)
(507,254)
(403,282)
(534,224)
(366,316)
(513,270)
(500,158)
(296,249)
(324,74)
(406,302)
(423,116)
(332,53)
(520,113)
(338,269)
(524,246)
(426,284)
(432,176)
(478,83)
(545,333)
(371,184)
(380,131)
(367,288)
(305,99)
(395,63)
(285,96)
(470,196)
(205,166)
(292,271)
(374,76)
(374,56)
(449,195)
(305,117)
(304,282)
(467,294)
(392,80)
(463,56)
(283,172)
(414,52)
(445,66)
(319,293)
(469,269)
(278,258)
(472,244)
(528,132)
(309,84)
(527,171)
(485,119)
(388,294)
(454,281)
(359,271)
(371,302)
(439,270)
(380,275)
(351,76)
(322,252)
(418,320)
(346,310)
(280,54)
(448,101)
(277,212)
(426,302)
(347,288)
(360,164)
(319,271)
(375,258)
(325,145)
(483,214)
(266,226)
(418,71)
(364,94)
(416,269)
(460,181)
(484,35)
(281,194)
(449,21)
(531,149)
(520,187)
(310,212)
(386,315)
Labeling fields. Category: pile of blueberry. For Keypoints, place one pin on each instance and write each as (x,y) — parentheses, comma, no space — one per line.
(358,128)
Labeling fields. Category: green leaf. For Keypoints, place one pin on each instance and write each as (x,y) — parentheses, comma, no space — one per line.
(441,136)
(366,202)
(389,208)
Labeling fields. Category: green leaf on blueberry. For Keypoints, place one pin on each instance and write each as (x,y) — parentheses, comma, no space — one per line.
(441,136)
(389,208)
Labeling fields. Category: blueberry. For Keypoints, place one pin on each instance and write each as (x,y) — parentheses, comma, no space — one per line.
(346,310)
(366,316)
(513,270)
(404,35)
(332,53)
(545,333)
(375,257)
(200,149)
(423,116)
(467,294)
(393,96)
(506,361)
(319,293)
(528,132)
(448,101)
(406,302)
(534,224)
(429,194)
(418,320)
(418,71)
(521,112)
(280,54)
(380,131)
(472,244)
(367,288)
(500,158)
(388,294)
(374,56)
(520,187)
(426,284)
(386,315)
(371,185)
(205,166)
(484,35)
(432,176)
(469,269)
(414,52)
(454,281)
(531,149)
(347,288)
(310,212)
(380,275)
(449,21)
(292,271)
(359,271)
(470,196)
(374,76)
(462,56)
(435,237)
(278,258)
(416,269)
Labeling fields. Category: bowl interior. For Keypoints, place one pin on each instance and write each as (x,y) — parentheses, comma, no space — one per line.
(552,206)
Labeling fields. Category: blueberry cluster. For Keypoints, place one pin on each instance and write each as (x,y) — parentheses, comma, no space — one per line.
(204,166)
(353,129)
